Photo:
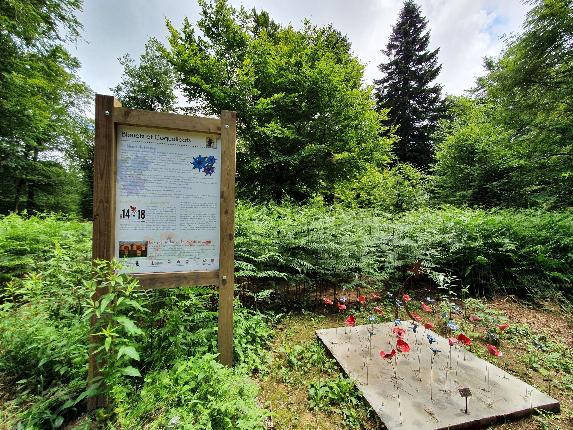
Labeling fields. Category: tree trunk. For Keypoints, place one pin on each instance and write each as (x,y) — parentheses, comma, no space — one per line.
(18,193)
(31,200)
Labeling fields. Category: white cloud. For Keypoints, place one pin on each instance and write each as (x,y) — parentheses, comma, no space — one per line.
(464,30)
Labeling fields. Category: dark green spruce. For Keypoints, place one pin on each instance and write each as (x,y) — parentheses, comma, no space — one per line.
(406,87)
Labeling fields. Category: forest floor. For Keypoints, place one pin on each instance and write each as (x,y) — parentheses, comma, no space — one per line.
(304,388)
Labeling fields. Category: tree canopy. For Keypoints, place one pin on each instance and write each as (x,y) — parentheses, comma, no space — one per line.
(41,102)
(306,121)
(149,85)
(407,88)
(514,138)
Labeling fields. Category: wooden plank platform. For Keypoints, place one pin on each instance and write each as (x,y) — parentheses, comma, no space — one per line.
(425,395)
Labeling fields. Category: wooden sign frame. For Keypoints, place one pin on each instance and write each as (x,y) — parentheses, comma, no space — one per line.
(108,115)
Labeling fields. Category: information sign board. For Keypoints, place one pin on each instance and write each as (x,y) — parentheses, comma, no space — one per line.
(164,199)
(167,200)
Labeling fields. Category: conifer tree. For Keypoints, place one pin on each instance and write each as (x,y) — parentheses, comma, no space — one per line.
(406,87)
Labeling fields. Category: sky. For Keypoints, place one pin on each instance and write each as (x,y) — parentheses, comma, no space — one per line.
(466,31)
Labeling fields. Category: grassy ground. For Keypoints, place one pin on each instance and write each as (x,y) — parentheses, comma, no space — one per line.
(304,388)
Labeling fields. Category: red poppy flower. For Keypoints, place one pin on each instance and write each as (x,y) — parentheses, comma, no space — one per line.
(327,301)
(398,331)
(406,298)
(402,346)
(464,339)
(350,321)
(503,327)
(493,350)
(388,354)
(379,310)
(416,316)
(452,341)
(362,299)
(429,326)
(426,308)
(474,318)
(375,296)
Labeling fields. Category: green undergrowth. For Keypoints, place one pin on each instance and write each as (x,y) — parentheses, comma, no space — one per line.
(47,282)
(152,344)
(196,393)
(27,243)
(527,252)
(304,387)
(309,248)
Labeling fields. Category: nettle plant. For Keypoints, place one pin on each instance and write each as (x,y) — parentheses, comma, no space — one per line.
(114,331)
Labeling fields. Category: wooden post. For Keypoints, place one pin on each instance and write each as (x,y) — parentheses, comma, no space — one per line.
(226,255)
(104,178)
(103,211)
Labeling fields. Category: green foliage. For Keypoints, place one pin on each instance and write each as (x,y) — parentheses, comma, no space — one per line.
(45,304)
(195,393)
(304,357)
(305,121)
(32,243)
(339,395)
(115,333)
(545,356)
(314,245)
(333,392)
(474,164)
(44,360)
(525,252)
(43,333)
(406,87)
(184,321)
(397,189)
(510,145)
(149,85)
(41,108)
(43,339)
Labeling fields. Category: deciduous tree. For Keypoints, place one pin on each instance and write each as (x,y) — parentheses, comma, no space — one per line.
(512,144)
(41,101)
(149,85)
(305,119)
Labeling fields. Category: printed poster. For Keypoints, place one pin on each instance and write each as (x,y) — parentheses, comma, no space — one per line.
(167,200)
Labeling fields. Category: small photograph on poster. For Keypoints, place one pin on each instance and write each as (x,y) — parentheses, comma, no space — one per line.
(132,249)
(211,142)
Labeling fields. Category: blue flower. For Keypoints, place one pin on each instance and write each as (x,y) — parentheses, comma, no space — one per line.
(211,160)
(209,170)
(431,339)
(199,162)
(452,326)
(435,350)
